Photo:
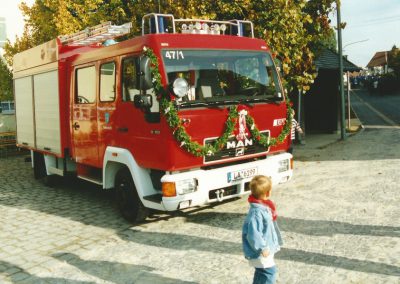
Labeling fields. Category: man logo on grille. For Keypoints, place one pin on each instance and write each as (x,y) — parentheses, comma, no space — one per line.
(239,152)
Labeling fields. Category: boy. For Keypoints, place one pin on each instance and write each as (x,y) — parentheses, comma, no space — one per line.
(260,235)
(295,127)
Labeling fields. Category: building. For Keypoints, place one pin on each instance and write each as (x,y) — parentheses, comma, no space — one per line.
(379,62)
(320,107)
(3,32)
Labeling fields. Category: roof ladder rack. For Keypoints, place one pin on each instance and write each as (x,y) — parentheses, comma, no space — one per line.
(96,34)
(166,23)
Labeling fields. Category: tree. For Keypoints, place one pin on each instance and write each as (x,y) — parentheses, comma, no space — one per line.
(394,61)
(47,19)
(6,90)
(294,29)
(22,43)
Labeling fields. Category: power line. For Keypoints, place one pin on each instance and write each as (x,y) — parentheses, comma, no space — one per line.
(385,18)
(374,23)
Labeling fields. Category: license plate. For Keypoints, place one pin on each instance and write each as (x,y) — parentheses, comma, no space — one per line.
(241,174)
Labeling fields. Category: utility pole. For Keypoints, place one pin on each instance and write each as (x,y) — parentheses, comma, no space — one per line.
(348,101)
(342,107)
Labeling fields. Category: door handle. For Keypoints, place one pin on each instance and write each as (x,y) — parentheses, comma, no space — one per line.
(122,129)
(75,126)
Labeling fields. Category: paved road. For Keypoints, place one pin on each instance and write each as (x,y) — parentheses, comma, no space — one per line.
(339,217)
(375,110)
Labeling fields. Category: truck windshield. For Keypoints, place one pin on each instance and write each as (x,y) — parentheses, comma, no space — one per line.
(217,76)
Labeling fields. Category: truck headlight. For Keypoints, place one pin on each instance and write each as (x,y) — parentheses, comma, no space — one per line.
(186,186)
(172,189)
(283,166)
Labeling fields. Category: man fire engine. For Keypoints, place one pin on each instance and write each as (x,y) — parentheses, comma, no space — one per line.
(181,116)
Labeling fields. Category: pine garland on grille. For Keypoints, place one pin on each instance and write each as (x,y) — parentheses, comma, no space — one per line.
(183,138)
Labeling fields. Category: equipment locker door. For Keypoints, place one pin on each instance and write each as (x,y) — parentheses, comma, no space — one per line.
(84,117)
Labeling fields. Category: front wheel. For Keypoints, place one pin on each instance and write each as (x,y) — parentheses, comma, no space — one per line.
(128,201)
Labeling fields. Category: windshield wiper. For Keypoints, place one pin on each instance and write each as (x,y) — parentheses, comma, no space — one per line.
(191,104)
(275,100)
(207,103)
(224,102)
(247,101)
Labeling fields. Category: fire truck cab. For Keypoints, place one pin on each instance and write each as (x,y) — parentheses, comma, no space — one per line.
(87,106)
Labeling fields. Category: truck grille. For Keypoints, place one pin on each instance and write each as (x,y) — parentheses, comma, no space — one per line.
(235,149)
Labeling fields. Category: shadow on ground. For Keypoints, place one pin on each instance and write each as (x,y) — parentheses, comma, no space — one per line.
(234,221)
(185,242)
(118,273)
(16,274)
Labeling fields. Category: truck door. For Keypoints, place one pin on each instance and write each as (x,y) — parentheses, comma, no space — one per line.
(84,118)
(106,106)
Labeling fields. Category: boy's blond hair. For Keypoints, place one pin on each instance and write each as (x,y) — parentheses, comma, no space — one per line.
(260,185)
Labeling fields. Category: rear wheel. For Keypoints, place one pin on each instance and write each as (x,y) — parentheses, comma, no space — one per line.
(39,167)
(39,170)
(128,201)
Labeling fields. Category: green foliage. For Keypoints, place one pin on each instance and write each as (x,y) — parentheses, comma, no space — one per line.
(47,19)
(294,29)
(170,112)
(394,61)
(6,89)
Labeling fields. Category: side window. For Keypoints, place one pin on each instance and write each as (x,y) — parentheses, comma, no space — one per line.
(130,78)
(107,82)
(85,85)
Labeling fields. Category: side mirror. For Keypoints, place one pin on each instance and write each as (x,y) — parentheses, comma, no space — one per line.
(143,101)
(145,74)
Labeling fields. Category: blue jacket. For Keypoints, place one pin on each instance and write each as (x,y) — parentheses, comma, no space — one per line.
(260,232)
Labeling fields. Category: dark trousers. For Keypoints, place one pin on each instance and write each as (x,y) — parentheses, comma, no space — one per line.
(265,275)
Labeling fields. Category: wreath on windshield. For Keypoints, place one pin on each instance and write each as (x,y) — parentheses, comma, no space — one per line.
(170,112)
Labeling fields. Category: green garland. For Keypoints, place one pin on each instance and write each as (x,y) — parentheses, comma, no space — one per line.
(179,131)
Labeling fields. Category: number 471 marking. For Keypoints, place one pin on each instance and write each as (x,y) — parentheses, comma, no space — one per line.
(174,54)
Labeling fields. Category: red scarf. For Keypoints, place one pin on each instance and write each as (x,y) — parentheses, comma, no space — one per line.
(267,202)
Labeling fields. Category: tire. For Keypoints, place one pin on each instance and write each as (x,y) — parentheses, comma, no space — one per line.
(40,173)
(51,180)
(39,167)
(128,201)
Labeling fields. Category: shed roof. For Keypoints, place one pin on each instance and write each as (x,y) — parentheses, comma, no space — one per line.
(329,59)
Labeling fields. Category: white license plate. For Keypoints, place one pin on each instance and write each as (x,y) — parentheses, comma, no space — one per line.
(241,174)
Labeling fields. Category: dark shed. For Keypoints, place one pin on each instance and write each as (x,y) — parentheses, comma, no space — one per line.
(321,105)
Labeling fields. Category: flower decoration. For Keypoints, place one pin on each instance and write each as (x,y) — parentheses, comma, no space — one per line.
(176,124)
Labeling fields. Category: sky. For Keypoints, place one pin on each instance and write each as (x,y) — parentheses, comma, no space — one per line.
(372,26)
(14,20)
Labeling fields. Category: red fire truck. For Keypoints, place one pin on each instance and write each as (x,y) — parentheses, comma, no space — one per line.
(168,118)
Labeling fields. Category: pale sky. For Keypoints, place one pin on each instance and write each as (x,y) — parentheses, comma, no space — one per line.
(14,20)
(376,23)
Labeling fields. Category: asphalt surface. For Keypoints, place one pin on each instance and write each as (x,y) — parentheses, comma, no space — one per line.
(376,110)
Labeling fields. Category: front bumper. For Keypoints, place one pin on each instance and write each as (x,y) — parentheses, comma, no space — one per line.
(218,184)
